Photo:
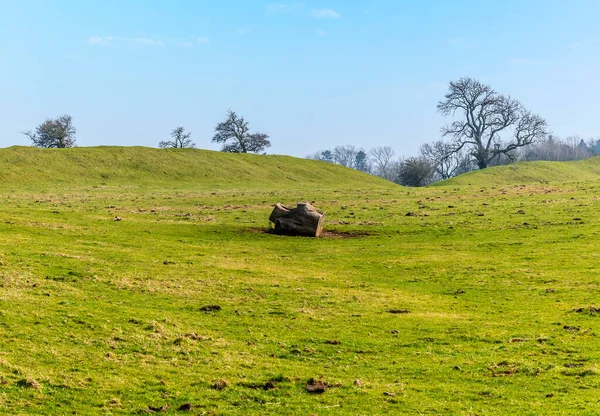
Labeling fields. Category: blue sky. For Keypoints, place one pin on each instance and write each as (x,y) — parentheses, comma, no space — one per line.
(311,74)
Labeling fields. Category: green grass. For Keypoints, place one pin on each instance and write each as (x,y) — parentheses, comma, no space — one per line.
(107,315)
(530,172)
(142,166)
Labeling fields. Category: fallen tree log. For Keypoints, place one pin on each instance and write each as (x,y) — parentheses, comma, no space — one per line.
(303,220)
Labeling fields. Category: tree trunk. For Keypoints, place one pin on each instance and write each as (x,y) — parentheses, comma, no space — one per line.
(303,220)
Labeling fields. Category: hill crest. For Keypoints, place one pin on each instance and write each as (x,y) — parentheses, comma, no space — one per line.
(530,172)
(114,165)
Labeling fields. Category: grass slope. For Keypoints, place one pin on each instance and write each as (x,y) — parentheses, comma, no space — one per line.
(499,289)
(530,172)
(142,166)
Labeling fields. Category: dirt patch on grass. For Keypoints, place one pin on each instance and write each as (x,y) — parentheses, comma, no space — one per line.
(29,383)
(504,368)
(210,308)
(332,234)
(268,385)
(398,311)
(156,409)
(220,384)
(316,386)
(571,328)
(589,310)
(186,407)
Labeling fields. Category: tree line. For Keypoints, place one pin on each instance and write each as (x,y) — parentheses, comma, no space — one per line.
(486,129)
(233,133)
(435,161)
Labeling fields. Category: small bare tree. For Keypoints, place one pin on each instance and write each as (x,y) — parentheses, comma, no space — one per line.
(324,156)
(235,135)
(556,149)
(345,155)
(485,115)
(180,140)
(54,133)
(314,156)
(446,161)
(381,158)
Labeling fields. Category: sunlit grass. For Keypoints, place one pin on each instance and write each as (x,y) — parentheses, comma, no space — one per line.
(107,316)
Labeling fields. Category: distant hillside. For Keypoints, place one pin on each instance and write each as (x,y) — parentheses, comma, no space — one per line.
(148,166)
(530,172)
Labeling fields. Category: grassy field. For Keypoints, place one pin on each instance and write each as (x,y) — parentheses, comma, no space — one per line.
(481,301)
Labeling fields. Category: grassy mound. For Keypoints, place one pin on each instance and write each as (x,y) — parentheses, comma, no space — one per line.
(530,172)
(148,166)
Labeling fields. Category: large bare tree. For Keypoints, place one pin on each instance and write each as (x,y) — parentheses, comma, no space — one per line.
(490,124)
(235,135)
(180,140)
(54,133)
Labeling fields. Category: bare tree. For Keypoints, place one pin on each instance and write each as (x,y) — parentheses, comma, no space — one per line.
(54,133)
(381,158)
(555,149)
(314,156)
(324,156)
(180,140)
(235,135)
(446,161)
(345,155)
(485,115)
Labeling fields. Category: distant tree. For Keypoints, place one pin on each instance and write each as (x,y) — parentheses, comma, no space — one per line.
(582,150)
(446,162)
(415,171)
(345,155)
(236,138)
(381,158)
(54,133)
(555,149)
(180,140)
(485,115)
(361,162)
(324,156)
(595,146)
(327,156)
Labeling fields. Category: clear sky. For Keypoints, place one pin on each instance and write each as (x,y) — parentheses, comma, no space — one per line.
(311,74)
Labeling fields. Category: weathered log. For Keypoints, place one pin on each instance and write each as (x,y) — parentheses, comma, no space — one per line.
(303,220)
